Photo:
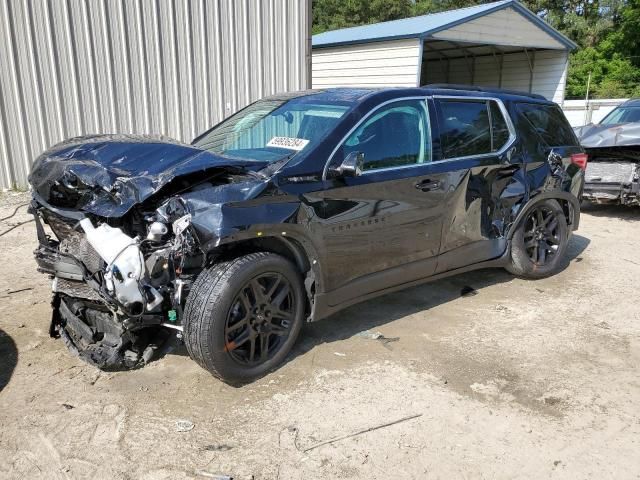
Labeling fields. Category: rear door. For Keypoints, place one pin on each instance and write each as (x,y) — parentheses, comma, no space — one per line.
(485,178)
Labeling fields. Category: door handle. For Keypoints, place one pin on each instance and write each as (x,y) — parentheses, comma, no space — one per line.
(428,185)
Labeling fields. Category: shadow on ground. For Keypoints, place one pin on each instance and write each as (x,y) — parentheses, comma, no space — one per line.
(388,308)
(622,212)
(8,358)
(373,313)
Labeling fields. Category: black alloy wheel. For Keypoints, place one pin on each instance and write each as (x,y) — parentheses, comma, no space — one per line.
(539,241)
(542,235)
(259,321)
(243,316)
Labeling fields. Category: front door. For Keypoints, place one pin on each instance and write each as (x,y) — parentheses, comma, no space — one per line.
(382,227)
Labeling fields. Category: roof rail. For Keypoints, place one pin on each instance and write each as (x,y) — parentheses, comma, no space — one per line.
(475,88)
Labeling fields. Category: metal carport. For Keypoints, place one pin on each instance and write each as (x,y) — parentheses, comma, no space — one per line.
(500,44)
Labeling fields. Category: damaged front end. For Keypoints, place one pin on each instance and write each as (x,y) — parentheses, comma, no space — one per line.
(112,290)
(613,172)
(122,250)
(613,175)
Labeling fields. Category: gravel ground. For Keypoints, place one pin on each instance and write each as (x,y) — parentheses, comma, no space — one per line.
(524,379)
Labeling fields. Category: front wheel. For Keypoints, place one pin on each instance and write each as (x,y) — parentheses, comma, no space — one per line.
(540,241)
(243,316)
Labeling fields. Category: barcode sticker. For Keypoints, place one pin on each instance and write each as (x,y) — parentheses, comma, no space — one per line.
(288,142)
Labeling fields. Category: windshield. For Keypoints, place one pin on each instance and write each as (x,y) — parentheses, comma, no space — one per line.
(622,115)
(270,130)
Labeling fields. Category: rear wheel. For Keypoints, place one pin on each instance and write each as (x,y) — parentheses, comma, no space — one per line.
(243,316)
(540,241)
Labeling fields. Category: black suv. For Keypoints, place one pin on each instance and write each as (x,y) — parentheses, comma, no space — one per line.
(292,209)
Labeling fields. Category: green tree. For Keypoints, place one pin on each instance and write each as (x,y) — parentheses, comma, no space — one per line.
(334,14)
(606,31)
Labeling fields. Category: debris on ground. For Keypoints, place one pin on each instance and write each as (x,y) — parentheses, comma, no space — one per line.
(378,336)
(184,426)
(217,448)
(340,354)
(214,476)
(11,292)
(468,291)
(68,406)
(370,335)
(604,325)
(360,432)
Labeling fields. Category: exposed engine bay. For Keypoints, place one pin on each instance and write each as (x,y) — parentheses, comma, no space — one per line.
(110,286)
(122,263)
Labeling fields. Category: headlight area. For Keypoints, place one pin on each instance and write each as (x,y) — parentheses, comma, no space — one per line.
(113,290)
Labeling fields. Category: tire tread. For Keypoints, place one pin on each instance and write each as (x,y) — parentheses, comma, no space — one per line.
(212,284)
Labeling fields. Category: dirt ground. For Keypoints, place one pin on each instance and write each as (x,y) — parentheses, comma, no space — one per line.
(525,379)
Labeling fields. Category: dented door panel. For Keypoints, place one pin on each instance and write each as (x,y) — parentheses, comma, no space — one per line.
(480,206)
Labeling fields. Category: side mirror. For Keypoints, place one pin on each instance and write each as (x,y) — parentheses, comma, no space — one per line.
(351,166)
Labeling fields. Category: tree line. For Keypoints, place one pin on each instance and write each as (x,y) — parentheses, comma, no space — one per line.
(607,33)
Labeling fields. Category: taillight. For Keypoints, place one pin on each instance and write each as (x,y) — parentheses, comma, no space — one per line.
(580,159)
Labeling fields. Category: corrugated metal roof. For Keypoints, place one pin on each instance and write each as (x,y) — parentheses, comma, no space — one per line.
(425,25)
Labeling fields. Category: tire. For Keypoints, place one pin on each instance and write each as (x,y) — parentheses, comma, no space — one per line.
(539,244)
(231,309)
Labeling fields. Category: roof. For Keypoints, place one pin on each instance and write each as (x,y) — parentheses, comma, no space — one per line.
(426,25)
(477,88)
(348,95)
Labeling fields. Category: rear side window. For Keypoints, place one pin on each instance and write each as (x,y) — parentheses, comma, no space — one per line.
(471,127)
(550,123)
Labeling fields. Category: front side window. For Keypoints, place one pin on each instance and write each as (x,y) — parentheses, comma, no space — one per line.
(269,130)
(395,135)
(471,127)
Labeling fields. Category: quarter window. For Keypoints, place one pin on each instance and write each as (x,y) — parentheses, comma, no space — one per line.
(471,127)
(550,123)
(394,136)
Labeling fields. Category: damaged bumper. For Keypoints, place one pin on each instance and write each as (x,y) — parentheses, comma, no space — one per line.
(111,292)
(91,333)
(612,177)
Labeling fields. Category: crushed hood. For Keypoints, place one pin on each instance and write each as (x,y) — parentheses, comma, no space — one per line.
(106,175)
(596,136)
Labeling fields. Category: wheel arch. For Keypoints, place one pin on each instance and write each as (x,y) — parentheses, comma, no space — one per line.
(295,250)
(569,203)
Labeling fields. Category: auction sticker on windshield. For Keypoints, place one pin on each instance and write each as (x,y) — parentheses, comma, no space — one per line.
(288,142)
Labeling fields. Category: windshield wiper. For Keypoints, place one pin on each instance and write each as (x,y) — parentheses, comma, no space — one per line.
(273,167)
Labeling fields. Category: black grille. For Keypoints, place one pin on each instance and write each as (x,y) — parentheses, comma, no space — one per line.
(73,241)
